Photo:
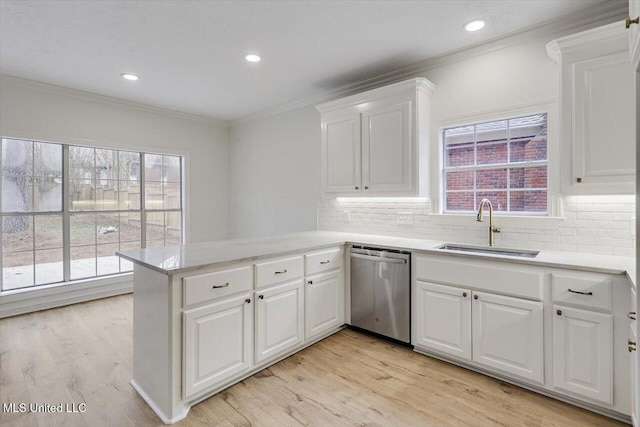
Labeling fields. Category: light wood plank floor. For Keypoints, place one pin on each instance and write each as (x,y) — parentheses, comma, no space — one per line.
(82,353)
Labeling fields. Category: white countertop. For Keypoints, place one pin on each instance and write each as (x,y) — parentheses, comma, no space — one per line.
(180,259)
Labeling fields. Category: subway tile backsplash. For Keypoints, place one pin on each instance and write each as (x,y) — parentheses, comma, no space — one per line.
(592,224)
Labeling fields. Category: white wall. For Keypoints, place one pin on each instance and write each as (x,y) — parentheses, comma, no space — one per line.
(49,113)
(275,174)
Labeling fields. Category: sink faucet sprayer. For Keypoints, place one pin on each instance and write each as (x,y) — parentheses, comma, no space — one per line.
(492,229)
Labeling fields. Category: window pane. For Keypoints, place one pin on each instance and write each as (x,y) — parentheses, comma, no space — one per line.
(153,197)
(460,156)
(171,169)
(462,180)
(106,195)
(17,233)
(535,201)
(107,259)
(17,270)
(83,229)
(48,231)
(460,201)
(173,233)
(172,196)
(82,163)
(49,266)
(17,193)
(492,142)
(130,230)
(129,195)
(83,262)
(106,166)
(47,194)
(83,194)
(17,157)
(47,160)
(497,198)
(530,177)
(491,178)
(153,167)
(129,166)
(107,228)
(528,136)
(155,226)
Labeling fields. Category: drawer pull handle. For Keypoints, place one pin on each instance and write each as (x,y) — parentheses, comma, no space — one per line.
(631,315)
(281,272)
(559,312)
(310,282)
(260,296)
(632,345)
(325,262)
(226,285)
(581,293)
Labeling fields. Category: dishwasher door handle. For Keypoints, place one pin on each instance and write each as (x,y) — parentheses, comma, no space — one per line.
(380,259)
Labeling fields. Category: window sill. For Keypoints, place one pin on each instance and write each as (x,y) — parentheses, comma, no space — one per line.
(531,222)
(26,300)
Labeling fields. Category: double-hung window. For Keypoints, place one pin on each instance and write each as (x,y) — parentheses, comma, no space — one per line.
(504,161)
(67,209)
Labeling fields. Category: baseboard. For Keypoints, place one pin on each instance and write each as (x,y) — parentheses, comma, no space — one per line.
(572,401)
(165,419)
(13,303)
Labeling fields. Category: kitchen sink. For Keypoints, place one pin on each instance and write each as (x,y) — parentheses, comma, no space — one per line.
(520,253)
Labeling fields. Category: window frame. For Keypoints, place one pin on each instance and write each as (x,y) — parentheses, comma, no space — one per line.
(66,212)
(549,109)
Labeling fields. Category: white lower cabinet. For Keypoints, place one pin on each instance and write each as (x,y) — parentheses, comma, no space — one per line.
(583,353)
(635,376)
(324,303)
(495,331)
(218,343)
(279,319)
(508,335)
(443,316)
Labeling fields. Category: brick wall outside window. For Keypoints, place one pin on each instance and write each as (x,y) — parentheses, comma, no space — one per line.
(504,161)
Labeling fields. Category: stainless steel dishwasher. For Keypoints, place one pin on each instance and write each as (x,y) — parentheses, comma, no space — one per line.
(380,292)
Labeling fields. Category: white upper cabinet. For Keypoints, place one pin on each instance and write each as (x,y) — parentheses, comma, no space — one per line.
(598,113)
(374,143)
(634,33)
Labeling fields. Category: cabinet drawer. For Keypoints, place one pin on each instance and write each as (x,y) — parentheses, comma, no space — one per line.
(271,272)
(588,290)
(204,287)
(318,262)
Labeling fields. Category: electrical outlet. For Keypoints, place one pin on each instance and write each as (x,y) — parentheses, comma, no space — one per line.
(405,217)
(347,216)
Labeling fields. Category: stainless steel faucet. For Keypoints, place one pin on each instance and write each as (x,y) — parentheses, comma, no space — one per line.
(492,229)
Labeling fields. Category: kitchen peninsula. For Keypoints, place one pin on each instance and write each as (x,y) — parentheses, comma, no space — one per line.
(208,315)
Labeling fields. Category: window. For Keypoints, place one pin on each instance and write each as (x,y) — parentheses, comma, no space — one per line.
(504,161)
(112,200)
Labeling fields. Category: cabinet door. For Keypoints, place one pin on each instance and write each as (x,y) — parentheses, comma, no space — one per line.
(634,33)
(604,123)
(279,319)
(218,343)
(507,335)
(583,353)
(443,319)
(341,156)
(324,303)
(387,149)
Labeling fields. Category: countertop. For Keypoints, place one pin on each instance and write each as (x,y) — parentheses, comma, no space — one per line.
(181,259)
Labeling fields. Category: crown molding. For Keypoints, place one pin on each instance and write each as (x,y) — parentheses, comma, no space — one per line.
(610,35)
(600,14)
(19,81)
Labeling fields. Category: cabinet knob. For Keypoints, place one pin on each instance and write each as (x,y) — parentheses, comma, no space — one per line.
(559,312)
(475,297)
(260,296)
(629,21)
(310,282)
(366,188)
(248,300)
(357,188)
(579,180)
(631,315)
(464,295)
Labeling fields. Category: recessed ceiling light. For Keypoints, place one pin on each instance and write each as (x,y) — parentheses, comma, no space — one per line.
(475,25)
(253,58)
(129,76)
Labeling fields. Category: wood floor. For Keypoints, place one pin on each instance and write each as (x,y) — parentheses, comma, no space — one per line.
(82,353)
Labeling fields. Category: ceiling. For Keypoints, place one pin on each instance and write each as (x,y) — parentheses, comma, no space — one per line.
(190,54)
